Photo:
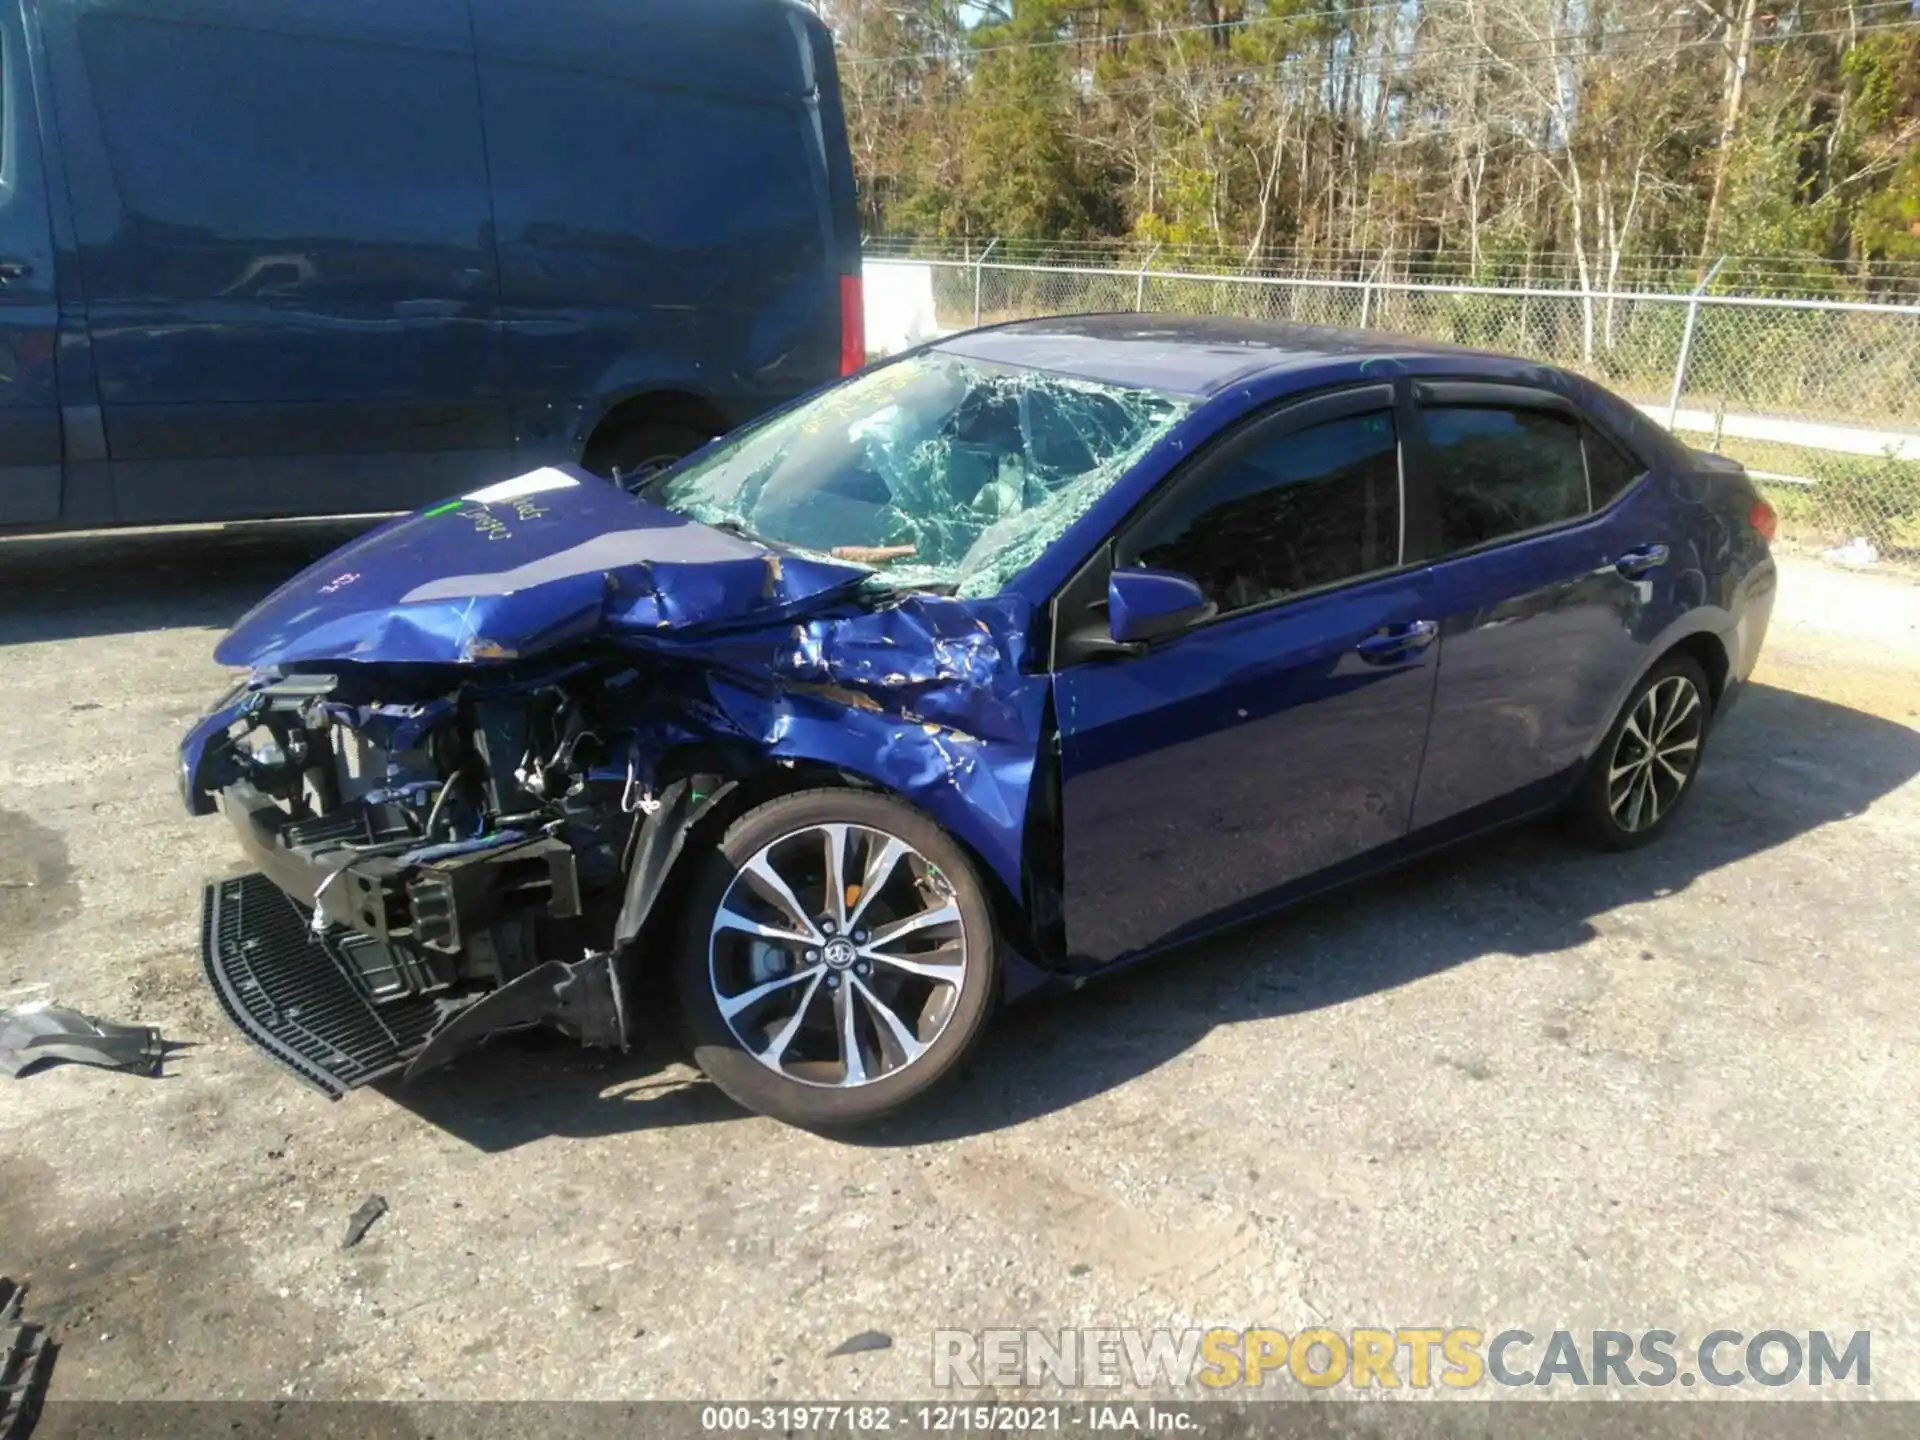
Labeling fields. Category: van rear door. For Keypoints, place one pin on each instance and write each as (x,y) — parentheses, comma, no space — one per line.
(29,312)
(842,199)
(674,201)
(286,248)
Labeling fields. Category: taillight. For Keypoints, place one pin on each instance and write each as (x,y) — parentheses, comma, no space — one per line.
(1764,519)
(853,326)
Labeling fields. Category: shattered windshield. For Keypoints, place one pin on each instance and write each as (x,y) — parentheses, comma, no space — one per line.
(942,472)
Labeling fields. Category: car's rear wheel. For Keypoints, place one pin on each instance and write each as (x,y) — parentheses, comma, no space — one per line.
(838,958)
(1645,769)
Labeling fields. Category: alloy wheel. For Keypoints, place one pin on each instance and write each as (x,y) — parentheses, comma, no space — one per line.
(837,955)
(1653,759)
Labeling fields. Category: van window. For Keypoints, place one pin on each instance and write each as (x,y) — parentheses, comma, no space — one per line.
(756,50)
(225,140)
(668,196)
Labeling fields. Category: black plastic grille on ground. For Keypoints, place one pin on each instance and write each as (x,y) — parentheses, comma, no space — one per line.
(26,1365)
(292,993)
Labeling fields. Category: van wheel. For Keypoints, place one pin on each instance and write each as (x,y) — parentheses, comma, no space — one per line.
(1646,766)
(636,453)
(838,959)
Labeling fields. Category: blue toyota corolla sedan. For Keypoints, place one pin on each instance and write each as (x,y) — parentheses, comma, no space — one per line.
(1029,653)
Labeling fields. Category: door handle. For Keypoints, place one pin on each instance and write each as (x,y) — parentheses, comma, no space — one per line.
(14,270)
(1390,642)
(1637,563)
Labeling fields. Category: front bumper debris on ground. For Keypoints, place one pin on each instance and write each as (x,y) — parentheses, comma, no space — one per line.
(294,992)
(37,1035)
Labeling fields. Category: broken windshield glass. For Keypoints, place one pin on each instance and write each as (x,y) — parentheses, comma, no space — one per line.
(942,472)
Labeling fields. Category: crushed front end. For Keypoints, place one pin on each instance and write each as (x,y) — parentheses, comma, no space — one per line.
(476,747)
(413,861)
(472,747)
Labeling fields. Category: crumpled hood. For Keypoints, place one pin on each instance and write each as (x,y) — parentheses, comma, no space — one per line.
(523,566)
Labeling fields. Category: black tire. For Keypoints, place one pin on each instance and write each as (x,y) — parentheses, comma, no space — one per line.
(641,450)
(956,1014)
(1605,815)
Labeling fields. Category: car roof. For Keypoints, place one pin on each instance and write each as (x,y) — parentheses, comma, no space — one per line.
(1187,354)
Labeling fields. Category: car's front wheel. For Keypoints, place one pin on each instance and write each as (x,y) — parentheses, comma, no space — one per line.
(1646,766)
(838,958)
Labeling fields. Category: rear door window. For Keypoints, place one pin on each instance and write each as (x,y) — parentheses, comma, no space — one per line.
(1500,471)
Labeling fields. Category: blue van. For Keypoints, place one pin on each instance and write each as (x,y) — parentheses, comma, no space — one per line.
(303,257)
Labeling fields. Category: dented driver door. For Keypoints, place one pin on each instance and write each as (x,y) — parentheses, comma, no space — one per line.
(1274,742)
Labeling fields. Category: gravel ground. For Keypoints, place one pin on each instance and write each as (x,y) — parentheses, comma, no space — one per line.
(1518,1084)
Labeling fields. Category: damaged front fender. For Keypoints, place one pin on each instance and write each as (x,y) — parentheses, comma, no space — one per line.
(540,670)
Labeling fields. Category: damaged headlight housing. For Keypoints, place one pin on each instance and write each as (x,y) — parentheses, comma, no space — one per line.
(238,682)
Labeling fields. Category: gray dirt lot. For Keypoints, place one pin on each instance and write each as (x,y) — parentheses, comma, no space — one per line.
(1517,1084)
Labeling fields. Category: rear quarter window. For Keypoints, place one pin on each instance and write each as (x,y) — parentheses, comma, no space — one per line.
(1610,470)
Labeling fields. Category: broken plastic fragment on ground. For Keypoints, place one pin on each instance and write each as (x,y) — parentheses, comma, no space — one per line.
(41,1034)
(952,473)
(863,1343)
(361,1221)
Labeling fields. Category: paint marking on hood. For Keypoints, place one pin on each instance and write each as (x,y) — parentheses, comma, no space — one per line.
(615,550)
(534,482)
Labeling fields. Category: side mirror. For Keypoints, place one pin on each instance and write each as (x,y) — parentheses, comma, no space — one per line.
(1145,604)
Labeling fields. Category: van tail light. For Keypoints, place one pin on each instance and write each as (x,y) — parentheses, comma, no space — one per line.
(853,325)
(1764,519)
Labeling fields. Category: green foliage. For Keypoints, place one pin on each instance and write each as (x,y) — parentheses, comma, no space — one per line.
(1023,167)
(1837,497)
(1878,498)
(1440,132)
(1890,220)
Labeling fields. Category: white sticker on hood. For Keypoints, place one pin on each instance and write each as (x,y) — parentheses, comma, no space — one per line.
(682,543)
(534,482)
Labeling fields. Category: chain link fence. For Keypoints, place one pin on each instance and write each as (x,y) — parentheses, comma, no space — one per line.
(1820,398)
